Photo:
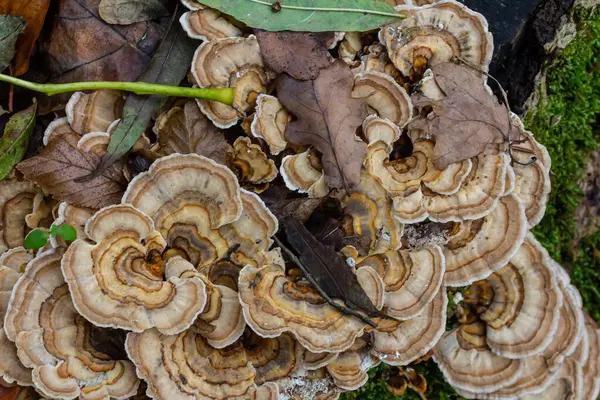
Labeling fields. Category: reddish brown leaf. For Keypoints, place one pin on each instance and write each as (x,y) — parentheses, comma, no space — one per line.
(59,166)
(466,120)
(327,118)
(34,12)
(8,393)
(80,46)
(300,54)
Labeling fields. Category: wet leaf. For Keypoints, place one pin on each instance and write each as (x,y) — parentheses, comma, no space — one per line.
(34,13)
(10,29)
(327,267)
(125,12)
(169,66)
(299,208)
(466,120)
(36,239)
(300,54)
(59,166)
(260,14)
(79,46)
(327,118)
(14,141)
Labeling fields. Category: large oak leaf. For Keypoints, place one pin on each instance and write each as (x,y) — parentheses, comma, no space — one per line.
(300,54)
(327,118)
(465,120)
(59,166)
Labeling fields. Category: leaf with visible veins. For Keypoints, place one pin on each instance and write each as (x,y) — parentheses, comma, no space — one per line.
(466,120)
(10,29)
(300,54)
(59,166)
(327,119)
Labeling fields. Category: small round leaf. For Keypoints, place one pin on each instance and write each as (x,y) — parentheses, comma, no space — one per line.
(36,239)
(67,232)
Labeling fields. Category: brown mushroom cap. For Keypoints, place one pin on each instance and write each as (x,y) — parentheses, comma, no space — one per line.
(532,182)
(193,5)
(207,24)
(242,69)
(477,197)
(384,96)
(468,364)
(412,278)
(591,367)
(568,384)
(270,123)
(523,315)
(304,172)
(119,280)
(251,163)
(56,129)
(413,338)
(349,369)
(77,217)
(376,59)
(350,47)
(480,247)
(16,203)
(368,212)
(273,358)
(54,340)
(274,304)
(439,32)
(12,263)
(94,112)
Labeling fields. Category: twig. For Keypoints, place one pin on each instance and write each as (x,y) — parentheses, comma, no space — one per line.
(341,308)
(222,95)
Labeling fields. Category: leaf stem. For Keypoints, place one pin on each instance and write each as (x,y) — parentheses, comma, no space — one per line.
(355,10)
(222,95)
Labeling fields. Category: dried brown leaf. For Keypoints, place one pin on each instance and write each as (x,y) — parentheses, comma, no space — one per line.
(327,118)
(186,130)
(328,268)
(300,208)
(300,54)
(466,120)
(59,166)
(80,46)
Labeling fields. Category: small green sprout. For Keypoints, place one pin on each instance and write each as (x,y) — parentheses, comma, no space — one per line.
(37,238)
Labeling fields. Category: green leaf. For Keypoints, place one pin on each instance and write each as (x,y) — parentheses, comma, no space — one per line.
(10,29)
(309,15)
(169,66)
(36,239)
(65,231)
(15,140)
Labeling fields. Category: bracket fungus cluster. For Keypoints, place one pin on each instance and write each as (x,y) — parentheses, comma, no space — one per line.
(184,284)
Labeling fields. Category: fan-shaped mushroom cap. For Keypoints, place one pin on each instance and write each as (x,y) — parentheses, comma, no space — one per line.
(185,366)
(273,304)
(94,112)
(368,212)
(567,384)
(270,122)
(413,338)
(120,280)
(16,203)
(94,142)
(384,96)
(56,129)
(349,369)
(313,361)
(591,368)
(242,69)
(273,358)
(304,172)
(468,364)
(476,197)
(376,59)
(429,88)
(532,182)
(77,217)
(438,32)
(523,313)
(412,278)
(54,340)
(208,24)
(350,47)
(251,163)
(479,247)
(12,263)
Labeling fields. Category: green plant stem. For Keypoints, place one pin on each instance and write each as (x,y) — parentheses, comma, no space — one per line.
(222,95)
(355,10)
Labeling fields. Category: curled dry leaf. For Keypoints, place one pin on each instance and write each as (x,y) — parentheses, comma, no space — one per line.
(14,141)
(59,166)
(10,29)
(300,54)
(34,13)
(327,118)
(125,12)
(464,121)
